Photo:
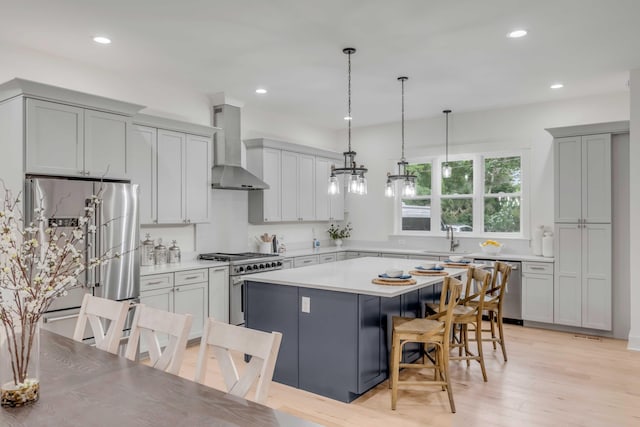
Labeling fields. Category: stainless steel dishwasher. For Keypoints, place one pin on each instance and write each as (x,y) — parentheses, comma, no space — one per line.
(512,308)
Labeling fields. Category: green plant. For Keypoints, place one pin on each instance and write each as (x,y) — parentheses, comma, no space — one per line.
(337,232)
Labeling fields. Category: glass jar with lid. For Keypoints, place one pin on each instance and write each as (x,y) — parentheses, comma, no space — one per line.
(174,253)
(146,251)
(160,253)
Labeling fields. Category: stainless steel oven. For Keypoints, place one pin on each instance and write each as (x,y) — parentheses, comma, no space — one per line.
(240,266)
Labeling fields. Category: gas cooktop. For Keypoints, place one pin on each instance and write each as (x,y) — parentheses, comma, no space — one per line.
(234,257)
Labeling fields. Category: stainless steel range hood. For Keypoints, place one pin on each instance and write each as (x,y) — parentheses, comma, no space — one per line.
(228,173)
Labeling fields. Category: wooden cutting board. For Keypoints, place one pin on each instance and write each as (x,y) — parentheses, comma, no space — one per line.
(380,281)
(429,273)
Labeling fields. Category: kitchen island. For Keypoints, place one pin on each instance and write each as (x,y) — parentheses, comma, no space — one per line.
(335,322)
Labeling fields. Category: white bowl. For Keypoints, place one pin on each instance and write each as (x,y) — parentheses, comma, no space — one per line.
(455,258)
(491,250)
(427,265)
(394,272)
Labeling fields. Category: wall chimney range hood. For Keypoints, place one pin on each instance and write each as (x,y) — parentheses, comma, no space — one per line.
(227,172)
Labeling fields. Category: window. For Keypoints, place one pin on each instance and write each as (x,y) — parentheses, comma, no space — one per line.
(482,196)
(416,211)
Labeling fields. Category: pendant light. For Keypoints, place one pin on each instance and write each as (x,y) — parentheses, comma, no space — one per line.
(407,179)
(357,182)
(446,169)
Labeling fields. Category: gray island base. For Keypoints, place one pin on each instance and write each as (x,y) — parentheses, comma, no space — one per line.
(335,322)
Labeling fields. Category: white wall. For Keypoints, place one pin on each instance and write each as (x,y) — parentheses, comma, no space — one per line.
(519,127)
(634,210)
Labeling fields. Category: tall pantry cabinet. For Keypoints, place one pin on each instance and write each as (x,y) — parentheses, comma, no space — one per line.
(583,246)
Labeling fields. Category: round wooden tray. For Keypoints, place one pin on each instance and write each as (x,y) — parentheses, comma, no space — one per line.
(428,273)
(407,282)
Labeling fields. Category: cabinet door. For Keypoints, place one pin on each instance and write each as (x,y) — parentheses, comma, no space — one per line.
(289,195)
(323,204)
(142,156)
(306,187)
(105,144)
(193,299)
(54,138)
(537,297)
(197,169)
(568,183)
(596,178)
(568,275)
(162,299)
(596,276)
(219,294)
(170,177)
(271,175)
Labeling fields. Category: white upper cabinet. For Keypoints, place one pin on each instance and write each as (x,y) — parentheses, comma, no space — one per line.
(197,178)
(142,155)
(72,141)
(583,179)
(171,191)
(105,144)
(328,207)
(55,138)
(298,183)
(173,170)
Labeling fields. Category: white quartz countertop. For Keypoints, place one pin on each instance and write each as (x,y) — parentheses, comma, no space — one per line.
(412,252)
(353,276)
(181,266)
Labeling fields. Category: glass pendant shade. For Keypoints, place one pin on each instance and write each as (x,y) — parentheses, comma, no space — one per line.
(356,183)
(446,170)
(388,190)
(408,189)
(334,185)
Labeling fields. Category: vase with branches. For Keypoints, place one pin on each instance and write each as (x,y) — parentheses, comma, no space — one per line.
(337,233)
(39,262)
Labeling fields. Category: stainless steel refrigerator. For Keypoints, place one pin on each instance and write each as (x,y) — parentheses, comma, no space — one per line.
(116,221)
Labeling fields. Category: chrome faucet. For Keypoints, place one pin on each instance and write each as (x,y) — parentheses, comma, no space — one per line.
(453,244)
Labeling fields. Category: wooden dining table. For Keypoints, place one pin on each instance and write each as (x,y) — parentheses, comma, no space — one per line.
(83,386)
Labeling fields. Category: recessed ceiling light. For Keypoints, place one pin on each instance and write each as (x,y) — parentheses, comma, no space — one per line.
(557,86)
(102,40)
(261,91)
(515,34)
(348,117)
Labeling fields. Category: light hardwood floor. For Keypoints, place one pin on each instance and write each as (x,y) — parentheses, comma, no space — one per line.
(551,379)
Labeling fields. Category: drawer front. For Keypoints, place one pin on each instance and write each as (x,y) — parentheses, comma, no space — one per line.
(191,276)
(327,258)
(537,267)
(341,256)
(156,281)
(304,261)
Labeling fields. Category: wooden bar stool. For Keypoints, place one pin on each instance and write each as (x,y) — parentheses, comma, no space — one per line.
(493,303)
(433,332)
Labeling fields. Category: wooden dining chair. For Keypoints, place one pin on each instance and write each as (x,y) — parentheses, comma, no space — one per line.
(493,303)
(148,322)
(223,338)
(95,311)
(432,332)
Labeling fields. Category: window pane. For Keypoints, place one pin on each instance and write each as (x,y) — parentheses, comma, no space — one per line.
(416,214)
(461,180)
(457,213)
(423,182)
(502,175)
(502,214)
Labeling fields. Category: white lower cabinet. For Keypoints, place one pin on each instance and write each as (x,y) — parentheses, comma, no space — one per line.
(180,292)
(537,292)
(219,294)
(303,261)
(325,258)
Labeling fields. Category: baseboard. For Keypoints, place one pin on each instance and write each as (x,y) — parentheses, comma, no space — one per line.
(634,343)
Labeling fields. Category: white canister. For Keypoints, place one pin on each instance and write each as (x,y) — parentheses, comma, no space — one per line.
(265,247)
(547,244)
(536,241)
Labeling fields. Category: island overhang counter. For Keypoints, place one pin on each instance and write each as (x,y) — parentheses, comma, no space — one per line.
(335,322)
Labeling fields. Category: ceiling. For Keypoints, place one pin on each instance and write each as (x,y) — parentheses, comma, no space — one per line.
(455,53)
